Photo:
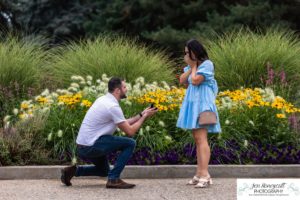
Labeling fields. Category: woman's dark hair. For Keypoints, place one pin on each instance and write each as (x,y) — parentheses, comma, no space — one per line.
(114,83)
(198,49)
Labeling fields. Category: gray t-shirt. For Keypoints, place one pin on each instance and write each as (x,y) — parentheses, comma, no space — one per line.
(101,119)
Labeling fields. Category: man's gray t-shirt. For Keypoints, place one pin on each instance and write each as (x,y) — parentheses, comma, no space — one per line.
(101,119)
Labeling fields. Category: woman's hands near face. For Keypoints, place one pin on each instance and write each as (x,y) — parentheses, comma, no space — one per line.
(188,58)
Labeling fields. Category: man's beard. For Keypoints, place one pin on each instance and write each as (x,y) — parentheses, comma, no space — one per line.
(123,96)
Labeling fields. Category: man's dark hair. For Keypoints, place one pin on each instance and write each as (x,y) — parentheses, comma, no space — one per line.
(114,83)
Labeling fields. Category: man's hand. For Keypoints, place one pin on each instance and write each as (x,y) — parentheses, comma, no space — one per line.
(131,129)
(145,110)
(148,112)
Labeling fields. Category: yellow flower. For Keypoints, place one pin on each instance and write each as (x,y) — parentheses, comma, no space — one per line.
(250,104)
(24,106)
(280,116)
(86,103)
(42,100)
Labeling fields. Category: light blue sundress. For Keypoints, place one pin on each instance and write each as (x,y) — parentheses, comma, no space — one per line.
(199,98)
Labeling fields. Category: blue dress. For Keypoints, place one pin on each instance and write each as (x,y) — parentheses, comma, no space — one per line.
(199,98)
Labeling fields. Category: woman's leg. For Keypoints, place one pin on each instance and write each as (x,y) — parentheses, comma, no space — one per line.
(203,151)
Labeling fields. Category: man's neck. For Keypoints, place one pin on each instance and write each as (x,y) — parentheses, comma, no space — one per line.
(116,96)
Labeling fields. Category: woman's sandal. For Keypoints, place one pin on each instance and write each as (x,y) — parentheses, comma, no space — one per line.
(204,182)
(193,181)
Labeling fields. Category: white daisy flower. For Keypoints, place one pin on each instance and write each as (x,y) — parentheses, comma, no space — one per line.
(147,128)
(15,111)
(89,78)
(59,133)
(161,123)
(251,122)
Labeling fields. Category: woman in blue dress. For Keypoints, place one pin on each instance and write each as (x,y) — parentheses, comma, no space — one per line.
(200,96)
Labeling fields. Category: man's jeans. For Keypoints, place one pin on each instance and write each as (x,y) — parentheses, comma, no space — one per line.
(97,155)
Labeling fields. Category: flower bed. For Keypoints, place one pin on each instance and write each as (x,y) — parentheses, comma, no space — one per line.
(257,126)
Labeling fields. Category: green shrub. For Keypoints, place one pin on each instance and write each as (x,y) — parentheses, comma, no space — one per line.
(114,56)
(21,61)
(4,153)
(241,57)
(25,144)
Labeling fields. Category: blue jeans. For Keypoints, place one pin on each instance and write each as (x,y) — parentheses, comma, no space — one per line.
(98,152)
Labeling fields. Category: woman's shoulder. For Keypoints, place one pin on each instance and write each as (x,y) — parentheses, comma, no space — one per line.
(207,63)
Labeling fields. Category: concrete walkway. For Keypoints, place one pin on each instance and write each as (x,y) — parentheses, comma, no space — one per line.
(90,189)
(162,171)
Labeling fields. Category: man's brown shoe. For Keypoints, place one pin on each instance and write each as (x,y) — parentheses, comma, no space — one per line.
(67,174)
(118,184)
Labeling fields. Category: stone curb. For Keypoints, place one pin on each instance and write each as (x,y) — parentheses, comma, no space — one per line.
(162,171)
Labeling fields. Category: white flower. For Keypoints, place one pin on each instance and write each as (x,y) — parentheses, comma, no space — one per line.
(89,83)
(6,118)
(141,132)
(140,80)
(251,122)
(50,101)
(104,76)
(82,82)
(54,94)
(49,137)
(98,81)
(80,78)
(72,89)
(137,86)
(74,78)
(6,126)
(64,91)
(128,86)
(147,128)
(75,85)
(59,133)
(105,80)
(269,95)
(128,103)
(89,78)
(37,97)
(93,87)
(45,92)
(227,122)
(246,143)
(161,123)
(15,111)
(167,88)
(45,110)
(168,138)
(74,161)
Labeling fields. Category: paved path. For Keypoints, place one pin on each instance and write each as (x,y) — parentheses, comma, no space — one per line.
(90,189)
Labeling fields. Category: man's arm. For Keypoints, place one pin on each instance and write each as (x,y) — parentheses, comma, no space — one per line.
(134,119)
(129,129)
